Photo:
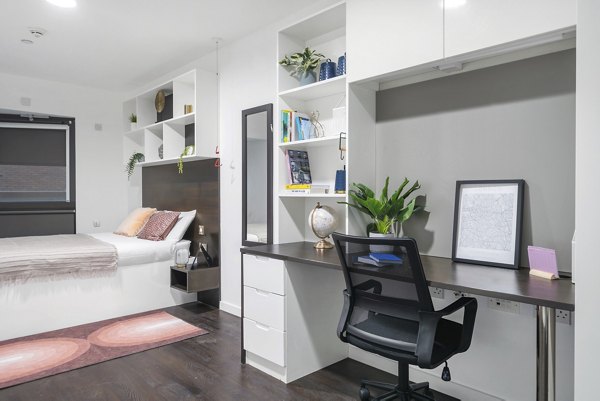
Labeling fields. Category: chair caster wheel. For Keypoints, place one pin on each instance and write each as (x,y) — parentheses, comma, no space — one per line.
(364,394)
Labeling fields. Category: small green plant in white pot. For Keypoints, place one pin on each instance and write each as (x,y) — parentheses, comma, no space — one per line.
(387,213)
(133,121)
(303,65)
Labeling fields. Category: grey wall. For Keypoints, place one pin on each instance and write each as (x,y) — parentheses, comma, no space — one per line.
(515,120)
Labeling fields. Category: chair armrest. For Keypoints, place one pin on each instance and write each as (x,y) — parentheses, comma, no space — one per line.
(428,322)
(341,329)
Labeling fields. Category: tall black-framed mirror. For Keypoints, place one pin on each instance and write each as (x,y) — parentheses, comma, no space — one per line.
(257,175)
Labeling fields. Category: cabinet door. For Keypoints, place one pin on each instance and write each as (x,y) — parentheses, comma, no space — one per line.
(389,35)
(476,24)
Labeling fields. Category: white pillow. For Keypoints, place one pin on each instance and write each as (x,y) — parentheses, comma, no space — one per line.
(183,222)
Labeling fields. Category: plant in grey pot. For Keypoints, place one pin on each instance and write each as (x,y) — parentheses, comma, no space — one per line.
(386,212)
(303,65)
(133,160)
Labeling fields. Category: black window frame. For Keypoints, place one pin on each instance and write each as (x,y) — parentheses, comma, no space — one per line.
(50,205)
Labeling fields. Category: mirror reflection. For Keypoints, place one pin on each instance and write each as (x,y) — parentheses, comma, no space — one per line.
(257,172)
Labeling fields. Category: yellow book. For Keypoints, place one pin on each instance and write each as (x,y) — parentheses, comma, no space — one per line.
(298,186)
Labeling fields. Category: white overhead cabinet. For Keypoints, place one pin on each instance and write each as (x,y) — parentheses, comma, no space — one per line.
(189,118)
(475,24)
(389,35)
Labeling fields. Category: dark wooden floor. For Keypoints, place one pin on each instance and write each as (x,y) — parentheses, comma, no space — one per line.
(201,368)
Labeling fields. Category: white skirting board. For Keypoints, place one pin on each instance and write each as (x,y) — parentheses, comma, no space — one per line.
(416,375)
(46,304)
(230,308)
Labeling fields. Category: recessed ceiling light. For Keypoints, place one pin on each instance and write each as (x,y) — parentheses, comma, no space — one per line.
(447,3)
(27,41)
(63,3)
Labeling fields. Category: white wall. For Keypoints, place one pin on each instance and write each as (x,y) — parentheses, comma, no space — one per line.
(247,79)
(100,182)
(587,193)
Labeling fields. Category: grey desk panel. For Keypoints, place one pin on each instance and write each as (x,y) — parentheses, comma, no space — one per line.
(514,285)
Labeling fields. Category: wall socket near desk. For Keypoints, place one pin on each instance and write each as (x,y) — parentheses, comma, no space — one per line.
(504,305)
(563,316)
(436,292)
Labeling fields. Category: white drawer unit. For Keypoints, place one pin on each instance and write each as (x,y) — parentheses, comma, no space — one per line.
(264,307)
(264,341)
(265,274)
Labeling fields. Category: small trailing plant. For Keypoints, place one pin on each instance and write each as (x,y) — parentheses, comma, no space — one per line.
(188,150)
(386,212)
(134,159)
(302,62)
(133,118)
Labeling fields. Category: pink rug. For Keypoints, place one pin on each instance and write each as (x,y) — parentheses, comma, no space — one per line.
(33,357)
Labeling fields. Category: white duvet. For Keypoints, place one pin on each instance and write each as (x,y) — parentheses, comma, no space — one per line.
(135,251)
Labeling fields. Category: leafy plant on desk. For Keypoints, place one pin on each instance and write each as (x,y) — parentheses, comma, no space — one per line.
(302,62)
(135,158)
(187,151)
(386,212)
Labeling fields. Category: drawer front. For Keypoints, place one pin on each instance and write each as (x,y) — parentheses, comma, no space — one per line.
(264,274)
(264,307)
(264,341)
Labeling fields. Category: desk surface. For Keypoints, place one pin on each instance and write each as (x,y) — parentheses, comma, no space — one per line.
(514,285)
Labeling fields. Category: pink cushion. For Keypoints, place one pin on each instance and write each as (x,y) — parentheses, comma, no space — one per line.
(159,226)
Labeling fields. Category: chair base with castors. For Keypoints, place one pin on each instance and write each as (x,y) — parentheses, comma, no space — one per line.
(403,390)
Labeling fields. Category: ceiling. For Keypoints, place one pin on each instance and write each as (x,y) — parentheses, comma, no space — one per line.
(123,44)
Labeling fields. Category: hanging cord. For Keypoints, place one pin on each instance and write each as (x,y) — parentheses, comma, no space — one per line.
(217,149)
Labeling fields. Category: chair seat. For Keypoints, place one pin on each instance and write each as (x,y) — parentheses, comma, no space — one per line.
(396,338)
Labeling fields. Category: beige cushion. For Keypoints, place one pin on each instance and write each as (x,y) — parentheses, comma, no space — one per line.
(136,220)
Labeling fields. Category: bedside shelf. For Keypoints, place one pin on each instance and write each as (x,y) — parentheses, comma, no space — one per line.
(329,87)
(199,279)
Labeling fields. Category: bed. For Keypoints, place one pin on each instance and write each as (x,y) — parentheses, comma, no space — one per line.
(141,280)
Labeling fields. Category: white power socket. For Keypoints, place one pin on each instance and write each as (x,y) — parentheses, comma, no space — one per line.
(563,316)
(436,292)
(504,305)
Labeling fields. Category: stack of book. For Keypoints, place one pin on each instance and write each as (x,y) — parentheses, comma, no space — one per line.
(295,126)
(380,259)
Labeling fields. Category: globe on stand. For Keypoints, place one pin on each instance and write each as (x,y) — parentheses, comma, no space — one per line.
(323,222)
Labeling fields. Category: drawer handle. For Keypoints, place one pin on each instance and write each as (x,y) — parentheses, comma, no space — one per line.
(261,293)
(262,326)
(261,258)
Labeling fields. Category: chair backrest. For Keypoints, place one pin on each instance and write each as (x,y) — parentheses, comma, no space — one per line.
(397,287)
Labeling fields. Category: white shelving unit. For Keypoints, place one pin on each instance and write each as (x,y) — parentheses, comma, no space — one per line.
(326,33)
(198,127)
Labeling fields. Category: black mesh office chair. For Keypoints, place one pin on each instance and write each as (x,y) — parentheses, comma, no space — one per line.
(388,311)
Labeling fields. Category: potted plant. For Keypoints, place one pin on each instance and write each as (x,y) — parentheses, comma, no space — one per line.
(303,65)
(133,160)
(386,212)
(187,151)
(133,121)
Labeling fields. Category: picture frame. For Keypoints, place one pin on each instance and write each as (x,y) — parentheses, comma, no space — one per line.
(488,220)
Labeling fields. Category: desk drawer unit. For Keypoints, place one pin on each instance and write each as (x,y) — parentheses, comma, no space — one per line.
(264,274)
(264,307)
(264,341)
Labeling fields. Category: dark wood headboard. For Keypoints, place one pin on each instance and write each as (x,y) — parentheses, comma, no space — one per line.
(197,188)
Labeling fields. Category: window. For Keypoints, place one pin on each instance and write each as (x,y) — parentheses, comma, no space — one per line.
(37,164)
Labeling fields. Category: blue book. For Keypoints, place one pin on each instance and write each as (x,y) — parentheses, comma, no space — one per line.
(386,258)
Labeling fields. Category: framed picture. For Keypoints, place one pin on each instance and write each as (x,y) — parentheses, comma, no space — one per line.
(487,222)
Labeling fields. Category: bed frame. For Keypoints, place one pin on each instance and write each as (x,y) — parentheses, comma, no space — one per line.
(46,304)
